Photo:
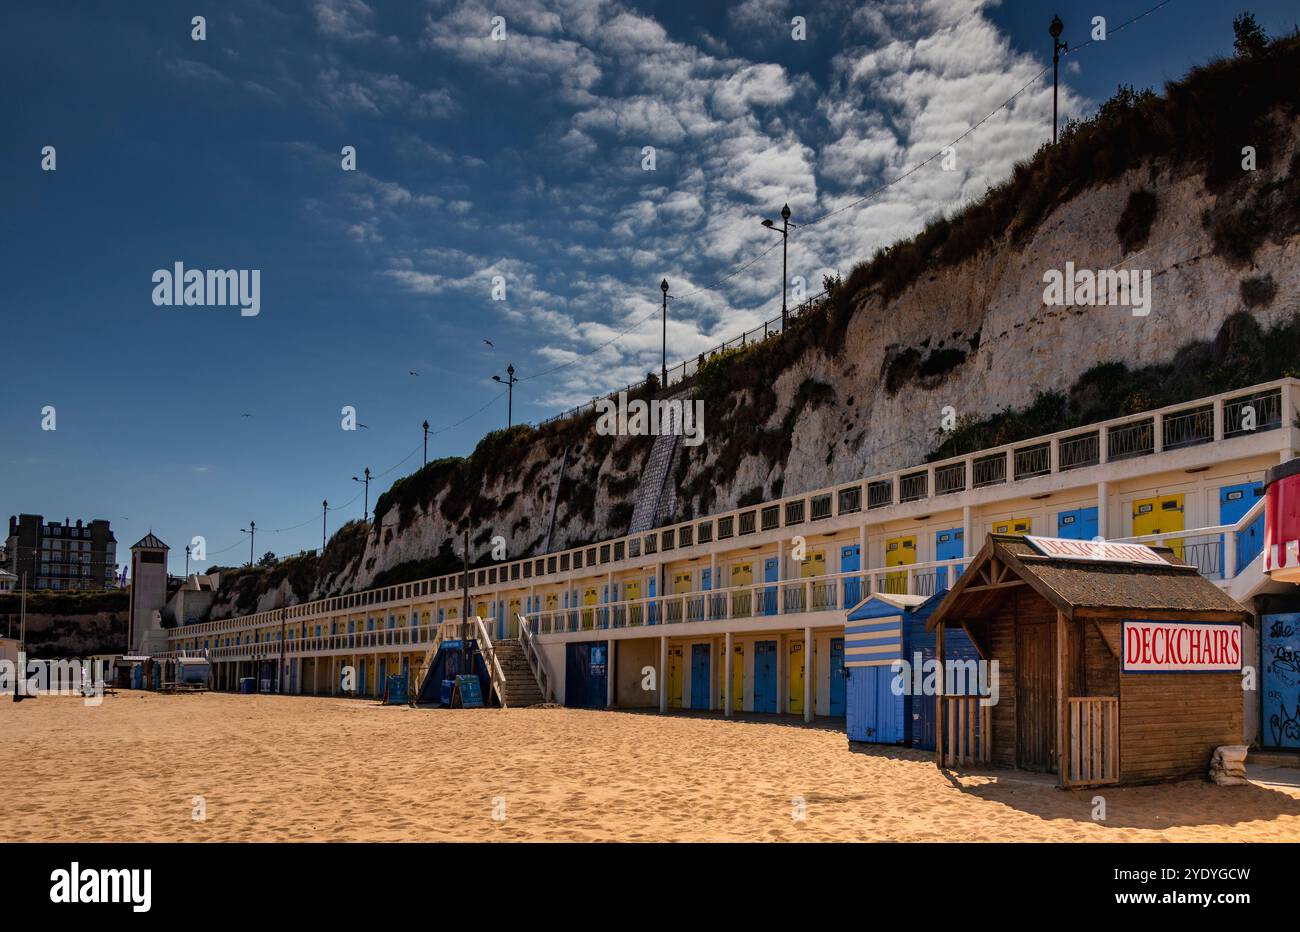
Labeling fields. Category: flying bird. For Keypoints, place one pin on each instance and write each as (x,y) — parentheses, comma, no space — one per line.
(490,343)
(412,372)
(246,415)
(363,425)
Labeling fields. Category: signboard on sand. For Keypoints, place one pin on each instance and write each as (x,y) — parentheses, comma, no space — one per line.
(471,696)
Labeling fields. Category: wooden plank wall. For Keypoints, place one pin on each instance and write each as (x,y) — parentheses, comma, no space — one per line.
(1001,641)
(1100,666)
(1170,723)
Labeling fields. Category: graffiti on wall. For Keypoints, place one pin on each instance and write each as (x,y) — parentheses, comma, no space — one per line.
(1281,655)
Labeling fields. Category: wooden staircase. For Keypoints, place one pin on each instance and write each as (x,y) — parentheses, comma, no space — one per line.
(509,668)
(520,686)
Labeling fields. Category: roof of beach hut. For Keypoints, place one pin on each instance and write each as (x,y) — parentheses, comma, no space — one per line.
(1097,585)
(879,604)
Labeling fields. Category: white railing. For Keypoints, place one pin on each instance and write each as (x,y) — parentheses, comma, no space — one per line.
(1269,403)
(1212,550)
(495,673)
(536,662)
(834,592)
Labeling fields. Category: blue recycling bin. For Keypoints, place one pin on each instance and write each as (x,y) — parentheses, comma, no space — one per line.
(396,692)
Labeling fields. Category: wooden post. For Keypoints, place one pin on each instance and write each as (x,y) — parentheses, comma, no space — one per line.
(938,699)
(1062,706)
(662,681)
(610,694)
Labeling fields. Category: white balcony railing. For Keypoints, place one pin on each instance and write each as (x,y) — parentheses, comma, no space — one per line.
(1231,414)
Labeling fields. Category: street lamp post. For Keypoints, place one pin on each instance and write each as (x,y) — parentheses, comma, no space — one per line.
(509,382)
(785,240)
(464,611)
(324,514)
(365,516)
(187,561)
(426,443)
(663,286)
(251,531)
(1058,46)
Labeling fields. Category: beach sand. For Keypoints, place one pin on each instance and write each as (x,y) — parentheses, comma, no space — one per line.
(302,768)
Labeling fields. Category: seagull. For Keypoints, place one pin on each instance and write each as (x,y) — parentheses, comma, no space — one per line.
(411,372)
(363,425)
(490,343)
(246,415)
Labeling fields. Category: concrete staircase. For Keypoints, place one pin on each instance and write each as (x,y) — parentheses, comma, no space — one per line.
(651,507)
(521,687)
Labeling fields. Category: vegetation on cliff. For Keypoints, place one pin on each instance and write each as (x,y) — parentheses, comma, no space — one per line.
(1241,354)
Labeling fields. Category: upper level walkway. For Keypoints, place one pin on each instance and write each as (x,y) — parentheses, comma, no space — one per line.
(1186,438)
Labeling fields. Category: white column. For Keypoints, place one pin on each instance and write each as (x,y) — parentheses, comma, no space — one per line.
(807,674)
(609,673)
(968,546)
(662,681)
(727,674)
(780,576)
(714,583)
(782,675)
(1103,510)
(659,594)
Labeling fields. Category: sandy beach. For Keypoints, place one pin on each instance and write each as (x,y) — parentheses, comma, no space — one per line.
(308,769)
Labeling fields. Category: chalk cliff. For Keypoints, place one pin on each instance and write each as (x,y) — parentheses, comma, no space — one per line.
(954,318)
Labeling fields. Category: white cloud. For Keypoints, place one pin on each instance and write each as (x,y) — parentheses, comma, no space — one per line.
(343,19)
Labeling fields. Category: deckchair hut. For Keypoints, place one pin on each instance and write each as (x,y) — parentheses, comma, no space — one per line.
(1117,663)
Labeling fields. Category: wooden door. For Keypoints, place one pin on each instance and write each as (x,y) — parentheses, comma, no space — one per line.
(1036,696)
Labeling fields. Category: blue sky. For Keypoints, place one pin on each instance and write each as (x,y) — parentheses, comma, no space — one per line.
(476,158)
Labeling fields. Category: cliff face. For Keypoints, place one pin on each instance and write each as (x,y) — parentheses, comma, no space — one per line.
(859,385)
(61,635)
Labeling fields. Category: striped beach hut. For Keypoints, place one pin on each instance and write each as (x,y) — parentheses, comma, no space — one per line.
(878,632)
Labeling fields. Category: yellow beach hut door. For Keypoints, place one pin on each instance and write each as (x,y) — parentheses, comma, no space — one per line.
(1160,515)
(1014,526)
(681,586)
(899,551)
(795,698)
(742,574)
(513,622)
(814,564)
(737,678)
(588,611)
(632,592)
(675,677)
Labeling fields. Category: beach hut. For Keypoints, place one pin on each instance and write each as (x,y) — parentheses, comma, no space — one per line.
(887,649)
(1116,663)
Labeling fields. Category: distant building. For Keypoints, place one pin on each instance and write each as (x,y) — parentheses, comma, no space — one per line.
(8,581)
(63,556)
(192,603)
(148,595)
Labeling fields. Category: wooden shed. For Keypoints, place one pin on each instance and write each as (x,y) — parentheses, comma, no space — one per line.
(1116,663)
